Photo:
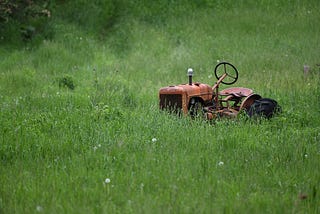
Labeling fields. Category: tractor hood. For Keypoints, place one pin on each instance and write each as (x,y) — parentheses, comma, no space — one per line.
(179,96)
(193,90)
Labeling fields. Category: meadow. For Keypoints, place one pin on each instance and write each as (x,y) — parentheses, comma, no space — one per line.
(81,130)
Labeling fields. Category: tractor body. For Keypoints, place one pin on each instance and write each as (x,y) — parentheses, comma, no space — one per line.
(202,100)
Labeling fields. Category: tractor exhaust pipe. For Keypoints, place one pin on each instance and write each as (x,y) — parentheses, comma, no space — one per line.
(190,74)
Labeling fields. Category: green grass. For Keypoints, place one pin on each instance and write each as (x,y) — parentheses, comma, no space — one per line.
(58,146)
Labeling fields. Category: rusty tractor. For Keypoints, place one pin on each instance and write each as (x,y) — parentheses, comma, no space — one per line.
(205,101)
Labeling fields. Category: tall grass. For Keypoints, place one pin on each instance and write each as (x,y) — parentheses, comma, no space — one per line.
(59,145)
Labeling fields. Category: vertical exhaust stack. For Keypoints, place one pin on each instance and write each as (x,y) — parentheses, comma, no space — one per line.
(190,74)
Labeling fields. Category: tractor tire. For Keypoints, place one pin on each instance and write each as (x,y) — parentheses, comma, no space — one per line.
(264,107)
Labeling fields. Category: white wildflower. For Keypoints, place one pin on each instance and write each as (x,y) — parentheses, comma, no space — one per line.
(39,208)
(220,163)
(107,180)
(154,140)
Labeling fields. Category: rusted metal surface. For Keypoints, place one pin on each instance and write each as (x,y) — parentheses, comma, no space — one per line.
(179,97)
(248,101)
(236,91)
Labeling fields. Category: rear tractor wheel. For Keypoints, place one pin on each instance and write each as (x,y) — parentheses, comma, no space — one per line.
(264,107)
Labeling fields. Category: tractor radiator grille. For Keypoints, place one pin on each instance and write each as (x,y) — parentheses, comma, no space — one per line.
(171,102)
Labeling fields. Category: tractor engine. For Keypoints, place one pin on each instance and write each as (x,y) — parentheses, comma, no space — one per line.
(179,98)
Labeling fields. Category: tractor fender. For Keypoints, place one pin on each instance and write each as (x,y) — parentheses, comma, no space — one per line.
(248,101)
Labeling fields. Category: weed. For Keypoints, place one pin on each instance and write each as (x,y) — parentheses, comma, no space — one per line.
(67,82)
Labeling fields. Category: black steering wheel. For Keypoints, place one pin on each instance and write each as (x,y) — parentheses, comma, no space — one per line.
(228,69)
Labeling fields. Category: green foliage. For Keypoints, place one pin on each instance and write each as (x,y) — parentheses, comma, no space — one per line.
(6,9)
(58,147)
(97,16)
(67,82)
(24,21)
(105,112)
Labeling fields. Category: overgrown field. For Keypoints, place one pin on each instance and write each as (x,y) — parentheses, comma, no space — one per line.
(81,131)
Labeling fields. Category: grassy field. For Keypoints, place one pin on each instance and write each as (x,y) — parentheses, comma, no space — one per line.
(81,131)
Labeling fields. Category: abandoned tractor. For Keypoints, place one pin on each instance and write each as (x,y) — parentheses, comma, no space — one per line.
(202,100)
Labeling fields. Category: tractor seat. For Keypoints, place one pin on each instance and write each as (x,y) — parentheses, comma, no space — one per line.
(236,91)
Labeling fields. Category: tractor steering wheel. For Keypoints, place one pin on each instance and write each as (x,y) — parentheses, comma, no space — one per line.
(228,69)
